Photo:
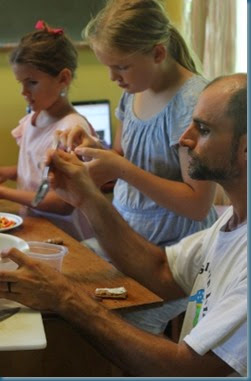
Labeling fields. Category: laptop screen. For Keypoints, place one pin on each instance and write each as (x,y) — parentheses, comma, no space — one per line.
(98,114)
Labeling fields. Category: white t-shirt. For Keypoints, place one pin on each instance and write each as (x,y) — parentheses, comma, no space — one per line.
(211,267)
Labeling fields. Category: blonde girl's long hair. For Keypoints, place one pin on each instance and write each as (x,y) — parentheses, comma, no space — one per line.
(137,26)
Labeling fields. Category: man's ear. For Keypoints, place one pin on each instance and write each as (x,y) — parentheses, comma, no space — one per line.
(243,147)
(159,52)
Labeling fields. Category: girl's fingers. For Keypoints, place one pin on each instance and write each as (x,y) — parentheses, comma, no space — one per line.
(60,136)
(92,153)
(76,136)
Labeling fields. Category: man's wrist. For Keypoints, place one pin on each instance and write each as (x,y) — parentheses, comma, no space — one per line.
(92,206)
(64,293)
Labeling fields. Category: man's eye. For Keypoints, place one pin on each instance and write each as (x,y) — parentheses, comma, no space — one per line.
(203,129)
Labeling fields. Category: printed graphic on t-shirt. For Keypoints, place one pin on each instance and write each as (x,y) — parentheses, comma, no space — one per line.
(198,299)
(201,297)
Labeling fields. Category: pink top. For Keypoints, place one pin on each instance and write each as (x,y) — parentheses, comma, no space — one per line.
(34,142)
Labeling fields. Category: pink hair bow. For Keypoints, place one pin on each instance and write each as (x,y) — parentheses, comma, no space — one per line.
(41,25)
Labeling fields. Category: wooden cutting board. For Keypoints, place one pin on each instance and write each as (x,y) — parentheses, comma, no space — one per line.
(23,330)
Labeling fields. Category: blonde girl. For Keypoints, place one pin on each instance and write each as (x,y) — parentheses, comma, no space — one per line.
(148,58)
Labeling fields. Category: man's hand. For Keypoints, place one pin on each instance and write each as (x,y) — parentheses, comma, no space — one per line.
(70,178)
(34,284)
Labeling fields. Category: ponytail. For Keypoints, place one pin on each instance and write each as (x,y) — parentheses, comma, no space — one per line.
(178,49)
(137,26)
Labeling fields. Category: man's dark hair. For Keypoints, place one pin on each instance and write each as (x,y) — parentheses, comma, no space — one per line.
(236,109)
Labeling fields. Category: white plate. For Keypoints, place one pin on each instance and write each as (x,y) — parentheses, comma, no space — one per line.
(17,219)
(22,331)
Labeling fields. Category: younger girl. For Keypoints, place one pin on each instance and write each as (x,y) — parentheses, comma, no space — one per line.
(44,63)
(149,60)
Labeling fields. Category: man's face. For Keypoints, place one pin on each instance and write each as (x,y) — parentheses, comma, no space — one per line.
(210,139)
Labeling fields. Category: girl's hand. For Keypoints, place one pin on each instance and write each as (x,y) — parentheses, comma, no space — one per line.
(7,173)
(2,188)
(102,165)
(73,137)
(2,178)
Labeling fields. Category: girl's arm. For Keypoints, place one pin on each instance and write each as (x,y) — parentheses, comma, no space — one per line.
(117,140)
(8,173)
(191,198)
(51,203)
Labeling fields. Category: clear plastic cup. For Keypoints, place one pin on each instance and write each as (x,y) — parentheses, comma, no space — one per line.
(50,253)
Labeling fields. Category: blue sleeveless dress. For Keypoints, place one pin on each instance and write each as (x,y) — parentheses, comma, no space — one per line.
(153,146)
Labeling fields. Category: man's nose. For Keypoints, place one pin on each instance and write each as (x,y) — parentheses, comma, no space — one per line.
(189,137)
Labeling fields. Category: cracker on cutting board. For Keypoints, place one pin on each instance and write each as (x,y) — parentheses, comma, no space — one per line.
(114,293)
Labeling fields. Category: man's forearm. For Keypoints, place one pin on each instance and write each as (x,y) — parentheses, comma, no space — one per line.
(135,351)
(126,346)
(129,252)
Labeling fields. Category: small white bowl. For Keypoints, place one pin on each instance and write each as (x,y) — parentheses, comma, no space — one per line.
(6,242)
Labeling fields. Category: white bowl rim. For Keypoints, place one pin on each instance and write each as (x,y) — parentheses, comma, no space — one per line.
(15,240)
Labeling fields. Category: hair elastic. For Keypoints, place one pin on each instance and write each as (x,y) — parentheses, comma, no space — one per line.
(41,25)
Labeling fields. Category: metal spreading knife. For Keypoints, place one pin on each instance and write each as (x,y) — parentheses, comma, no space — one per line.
(45,184)
(8,312)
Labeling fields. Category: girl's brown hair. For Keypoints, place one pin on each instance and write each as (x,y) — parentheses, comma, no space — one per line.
(47,51)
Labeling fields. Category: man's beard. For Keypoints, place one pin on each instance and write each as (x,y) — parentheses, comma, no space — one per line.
(199,170)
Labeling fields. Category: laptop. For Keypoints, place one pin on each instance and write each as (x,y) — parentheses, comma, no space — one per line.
(98,113)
